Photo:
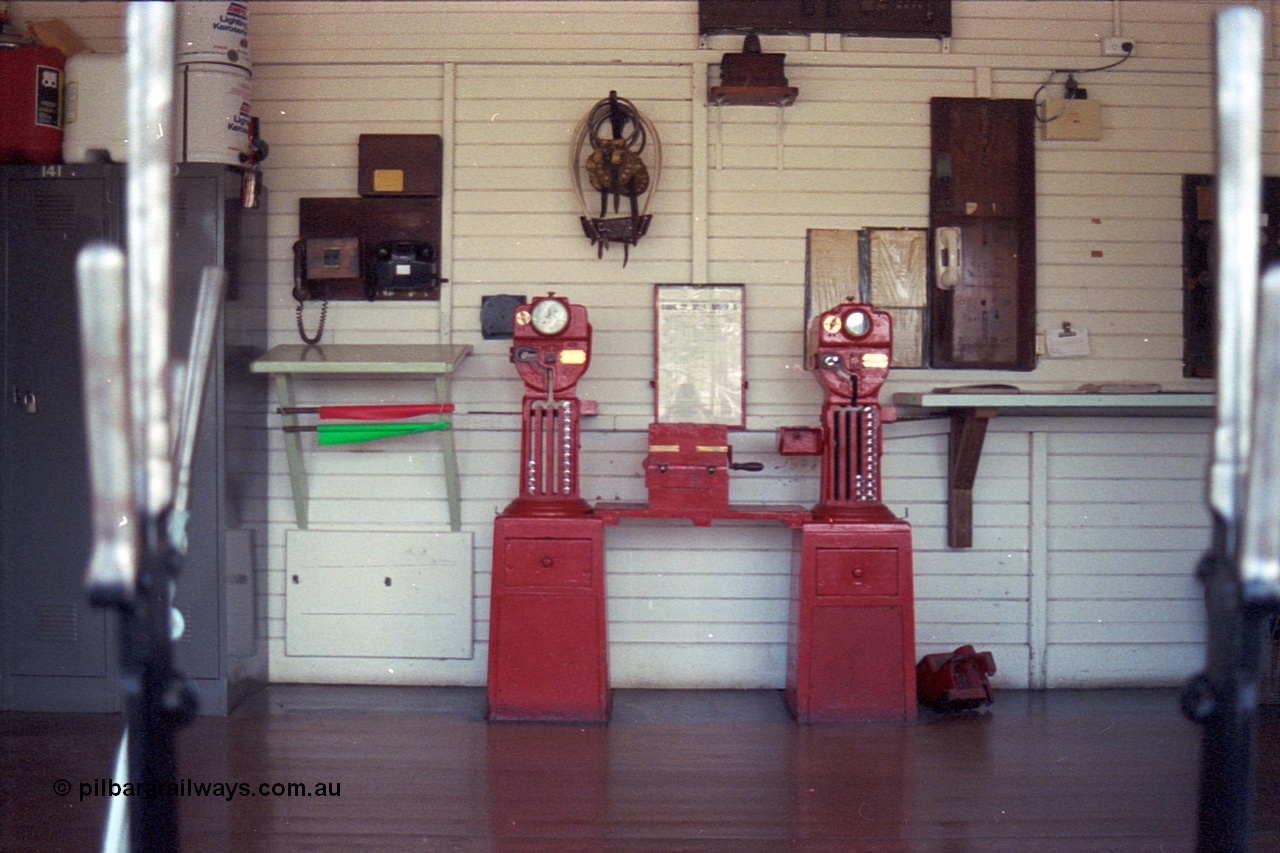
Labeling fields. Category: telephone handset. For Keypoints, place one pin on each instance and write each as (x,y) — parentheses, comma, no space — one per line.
(305,288)
(947,242)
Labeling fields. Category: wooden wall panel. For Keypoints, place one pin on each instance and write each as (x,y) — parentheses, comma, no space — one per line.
(503,81)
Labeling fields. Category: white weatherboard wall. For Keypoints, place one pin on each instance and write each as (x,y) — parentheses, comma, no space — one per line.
(1086,529)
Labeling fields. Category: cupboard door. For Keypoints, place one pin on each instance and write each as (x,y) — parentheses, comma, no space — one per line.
(857,662)
(982,236)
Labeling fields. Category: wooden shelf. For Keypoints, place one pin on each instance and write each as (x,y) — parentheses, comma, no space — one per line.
(970,414)
(752,96)
(401,361)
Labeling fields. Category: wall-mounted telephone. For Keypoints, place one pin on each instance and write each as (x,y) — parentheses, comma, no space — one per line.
(318,265)
(404,267)
(327,268)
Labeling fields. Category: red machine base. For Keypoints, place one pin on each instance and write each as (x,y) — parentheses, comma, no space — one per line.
(548,648)
(851,651)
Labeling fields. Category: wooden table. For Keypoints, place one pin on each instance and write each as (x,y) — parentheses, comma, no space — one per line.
(346,360)
(970,413)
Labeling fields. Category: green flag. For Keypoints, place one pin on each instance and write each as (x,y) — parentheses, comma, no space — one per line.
(352,433)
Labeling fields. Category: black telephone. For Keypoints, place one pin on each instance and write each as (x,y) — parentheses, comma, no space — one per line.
(327,268)
(404,266)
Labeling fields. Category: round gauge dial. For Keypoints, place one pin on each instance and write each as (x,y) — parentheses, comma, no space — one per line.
(857,323)
(550,316)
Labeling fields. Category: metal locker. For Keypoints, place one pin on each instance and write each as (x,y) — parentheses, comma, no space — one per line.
(58,652)
(57,649)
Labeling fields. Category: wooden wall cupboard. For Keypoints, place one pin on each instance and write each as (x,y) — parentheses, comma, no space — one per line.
(982,215)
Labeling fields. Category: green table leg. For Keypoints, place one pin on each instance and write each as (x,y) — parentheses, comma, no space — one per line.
(293,450)
(451,485)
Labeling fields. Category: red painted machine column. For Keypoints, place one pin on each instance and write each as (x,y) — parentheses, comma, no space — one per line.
(548,645)
(851,651)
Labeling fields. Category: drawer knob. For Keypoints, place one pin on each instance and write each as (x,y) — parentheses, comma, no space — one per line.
(547,562)
(857,573)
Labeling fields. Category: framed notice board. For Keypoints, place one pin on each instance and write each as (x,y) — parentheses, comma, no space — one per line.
(699,354)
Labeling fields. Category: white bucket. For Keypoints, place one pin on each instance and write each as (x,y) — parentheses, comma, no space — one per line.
(94,121)
(210,31)
(212,105)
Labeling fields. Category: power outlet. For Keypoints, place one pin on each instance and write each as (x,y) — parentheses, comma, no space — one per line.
(1118,46)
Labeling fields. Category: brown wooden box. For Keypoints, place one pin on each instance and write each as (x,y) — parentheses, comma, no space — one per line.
(399,164)
(753,69)
(902,18)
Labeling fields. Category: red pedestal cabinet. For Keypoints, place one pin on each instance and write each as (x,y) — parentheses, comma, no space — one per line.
(851,650)
(548,644)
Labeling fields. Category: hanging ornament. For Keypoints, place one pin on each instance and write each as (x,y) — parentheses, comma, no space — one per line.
(616,134)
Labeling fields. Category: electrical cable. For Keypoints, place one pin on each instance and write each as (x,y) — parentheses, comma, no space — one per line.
(1070,72)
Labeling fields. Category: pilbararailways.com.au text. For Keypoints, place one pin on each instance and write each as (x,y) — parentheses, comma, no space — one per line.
(191,788)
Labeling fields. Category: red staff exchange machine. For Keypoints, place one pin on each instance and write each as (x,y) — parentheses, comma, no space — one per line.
(851,654)
(548,655)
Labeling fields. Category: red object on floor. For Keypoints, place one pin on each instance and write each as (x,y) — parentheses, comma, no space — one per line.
(956,681)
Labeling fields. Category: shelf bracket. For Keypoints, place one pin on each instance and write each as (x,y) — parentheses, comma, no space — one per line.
(968,432)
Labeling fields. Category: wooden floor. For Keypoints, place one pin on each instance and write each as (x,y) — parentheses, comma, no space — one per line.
(420,770)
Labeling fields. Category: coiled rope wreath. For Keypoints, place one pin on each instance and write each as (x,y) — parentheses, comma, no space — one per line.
(617,133)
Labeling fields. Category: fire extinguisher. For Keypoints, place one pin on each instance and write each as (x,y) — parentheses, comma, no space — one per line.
(31,117)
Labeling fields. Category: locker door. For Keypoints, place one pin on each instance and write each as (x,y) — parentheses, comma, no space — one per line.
(198,224)
(57,654)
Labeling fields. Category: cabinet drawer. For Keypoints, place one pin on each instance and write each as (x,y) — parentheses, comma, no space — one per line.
(548,562)
(857,571)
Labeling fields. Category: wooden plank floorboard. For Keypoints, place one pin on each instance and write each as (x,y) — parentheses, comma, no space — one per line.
(420,770)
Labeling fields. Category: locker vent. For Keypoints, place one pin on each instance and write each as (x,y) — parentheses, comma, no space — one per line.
(186,621)
(58,623)
(54,212)
(183,216)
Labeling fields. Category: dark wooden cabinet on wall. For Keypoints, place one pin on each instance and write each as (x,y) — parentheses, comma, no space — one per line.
(925,18)
(1199,275)
(982,212)
(58,652)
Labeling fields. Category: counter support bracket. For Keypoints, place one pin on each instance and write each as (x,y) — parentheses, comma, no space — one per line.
(968,433)
(970,414)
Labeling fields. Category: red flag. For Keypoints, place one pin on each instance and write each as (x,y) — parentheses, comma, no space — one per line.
(378,413)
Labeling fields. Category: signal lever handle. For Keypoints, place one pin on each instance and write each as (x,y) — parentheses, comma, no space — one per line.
(746,466)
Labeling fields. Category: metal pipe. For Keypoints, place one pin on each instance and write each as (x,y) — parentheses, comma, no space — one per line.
(1239,136)
(112,574)
(1260,536)
(213,283)
(149,31)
